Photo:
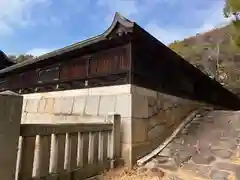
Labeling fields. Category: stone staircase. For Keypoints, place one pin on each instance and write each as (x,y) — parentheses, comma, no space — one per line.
(207,148)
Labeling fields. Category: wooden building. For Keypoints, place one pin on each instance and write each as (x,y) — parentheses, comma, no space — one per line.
(124,54)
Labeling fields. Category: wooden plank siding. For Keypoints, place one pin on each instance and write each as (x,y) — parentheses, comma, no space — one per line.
(73,73)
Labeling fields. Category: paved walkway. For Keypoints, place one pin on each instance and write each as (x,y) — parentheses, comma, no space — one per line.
(207,148)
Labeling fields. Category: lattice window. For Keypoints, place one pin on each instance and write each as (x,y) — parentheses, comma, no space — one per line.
(48,75)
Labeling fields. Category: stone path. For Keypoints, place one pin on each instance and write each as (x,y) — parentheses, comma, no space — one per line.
(207,148)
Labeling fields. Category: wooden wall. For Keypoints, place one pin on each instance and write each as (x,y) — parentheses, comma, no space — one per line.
(156,67)
(97,69)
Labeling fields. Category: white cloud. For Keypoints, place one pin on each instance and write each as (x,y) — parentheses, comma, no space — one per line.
(15,13)
(164,35)
(39,51)
(212,18)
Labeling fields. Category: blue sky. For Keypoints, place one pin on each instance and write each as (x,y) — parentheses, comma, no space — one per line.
(39,26)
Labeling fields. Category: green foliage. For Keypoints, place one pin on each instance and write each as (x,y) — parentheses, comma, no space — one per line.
(236,32)
(232,8)
(20,58)
(214,54)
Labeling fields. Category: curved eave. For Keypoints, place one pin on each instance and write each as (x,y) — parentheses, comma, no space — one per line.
(5,59)
(117,19)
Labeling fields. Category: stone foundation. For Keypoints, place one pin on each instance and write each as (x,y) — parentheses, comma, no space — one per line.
(76,105)
(147,117)
(83,105)
(154,117)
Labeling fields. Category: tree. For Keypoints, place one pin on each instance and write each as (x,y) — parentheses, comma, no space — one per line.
(232,9)
(20,58)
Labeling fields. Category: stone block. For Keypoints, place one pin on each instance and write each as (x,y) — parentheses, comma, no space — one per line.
(139,106)
(107,105)
(57,105)
(169,117)
(59,118)
(161,116)
(24,105)
(167,105)
(91,119)
(67,105)
(201,171)
(151,111)
(126,154)
(227,166)
(32,105)
(156,131)
(63,105)
(143,91)
(139,130)
(79,105)
(152,101)
(23,118)
(177,114)
(155,121)
(222,153)
(170,98)
(45,118)
(126,130)
(36,118)
(110,90)
(201,159)
(72,119)
(124,105)
(218,175)
(42,105)
(49,105)
(92,105)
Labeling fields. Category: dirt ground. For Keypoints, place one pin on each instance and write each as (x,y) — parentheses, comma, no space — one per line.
(128,174)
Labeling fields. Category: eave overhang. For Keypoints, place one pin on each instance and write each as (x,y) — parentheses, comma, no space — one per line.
(118,20)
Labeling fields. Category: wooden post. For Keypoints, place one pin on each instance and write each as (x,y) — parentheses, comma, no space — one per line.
(10,113)
(114,143)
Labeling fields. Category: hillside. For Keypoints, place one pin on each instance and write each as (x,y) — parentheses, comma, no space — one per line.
(214,53)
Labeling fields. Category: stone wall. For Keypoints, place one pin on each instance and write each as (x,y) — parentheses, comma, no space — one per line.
(147,117)
(84,105)
(154,118)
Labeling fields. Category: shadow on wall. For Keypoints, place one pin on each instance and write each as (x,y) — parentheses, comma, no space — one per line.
(159,68)
(201,88)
